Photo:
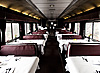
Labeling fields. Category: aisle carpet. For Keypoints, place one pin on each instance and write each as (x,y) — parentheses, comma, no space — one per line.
(51,61)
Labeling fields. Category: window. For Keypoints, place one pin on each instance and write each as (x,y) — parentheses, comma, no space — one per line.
(96,34)
(88,29)
(69,26)
(8,34)
(34,29)
(27,28)
(77,28)
(15,27)
(1,35)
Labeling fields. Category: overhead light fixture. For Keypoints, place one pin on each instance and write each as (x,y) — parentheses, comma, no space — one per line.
(66,17)
(14,9)
(79,12)
(3,5)
(52,5)
(30,15)
(98,6)
(69,16)
(73,14)
(24,13)
(89,9)
(36,17)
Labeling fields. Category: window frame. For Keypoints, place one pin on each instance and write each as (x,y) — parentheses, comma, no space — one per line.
(12,32)
(92,31)
(91,28)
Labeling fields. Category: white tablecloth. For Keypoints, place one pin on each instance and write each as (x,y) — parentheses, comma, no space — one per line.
(66,42)
(59,36)
(22,65)
(80,65)
(39,43)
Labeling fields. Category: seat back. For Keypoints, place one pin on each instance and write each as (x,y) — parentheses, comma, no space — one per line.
(84,49)
(19,50)
(30,37)
(71,37)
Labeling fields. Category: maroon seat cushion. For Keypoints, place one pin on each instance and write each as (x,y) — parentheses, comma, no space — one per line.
(34,32)
(18,50)
(84,50)
(39,32)
(6,50)
(67,32)
(30,37)
(64,32)
(71,37)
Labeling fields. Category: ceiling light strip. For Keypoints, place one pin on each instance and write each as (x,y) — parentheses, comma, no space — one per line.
(3,6)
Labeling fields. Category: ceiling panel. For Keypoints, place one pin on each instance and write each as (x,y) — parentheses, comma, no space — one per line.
(81,6)
(53,11)
(20,5)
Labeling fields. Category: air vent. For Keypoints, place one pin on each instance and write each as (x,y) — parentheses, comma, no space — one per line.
(51,9)
(52,0)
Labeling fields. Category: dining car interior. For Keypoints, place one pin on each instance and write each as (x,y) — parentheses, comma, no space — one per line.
(49,36)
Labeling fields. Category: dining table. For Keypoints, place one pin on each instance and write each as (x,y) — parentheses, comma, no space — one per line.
(19,64)
(83,64)
(40,43)
(63,43)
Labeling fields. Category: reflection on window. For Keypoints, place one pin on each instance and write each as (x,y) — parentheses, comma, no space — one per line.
(15,27)
(77,28)
(1,35)
(34,29)
(8,34)
(96,34)
(27,28)
(69,26)
(88,29)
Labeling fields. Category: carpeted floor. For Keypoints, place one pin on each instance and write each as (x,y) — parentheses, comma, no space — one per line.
(51,61)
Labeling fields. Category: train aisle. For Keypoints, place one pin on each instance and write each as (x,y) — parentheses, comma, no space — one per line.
(51,61)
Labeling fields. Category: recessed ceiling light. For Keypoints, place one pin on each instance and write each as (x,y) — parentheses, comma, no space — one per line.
(52,5)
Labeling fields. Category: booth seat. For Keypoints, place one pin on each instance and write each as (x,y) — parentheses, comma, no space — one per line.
(19,50)
(38,32)
(62,31)
(42,30)
(71,37)
(31,37)
(82,58)
(80,49)
(67,33)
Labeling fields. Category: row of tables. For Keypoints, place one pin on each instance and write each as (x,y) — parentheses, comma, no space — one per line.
(83,64)
(78,64)
(21,64)
(40,42)
(11,64)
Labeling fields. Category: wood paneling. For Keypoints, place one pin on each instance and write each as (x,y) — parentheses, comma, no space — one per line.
(8,14)
(91,15)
